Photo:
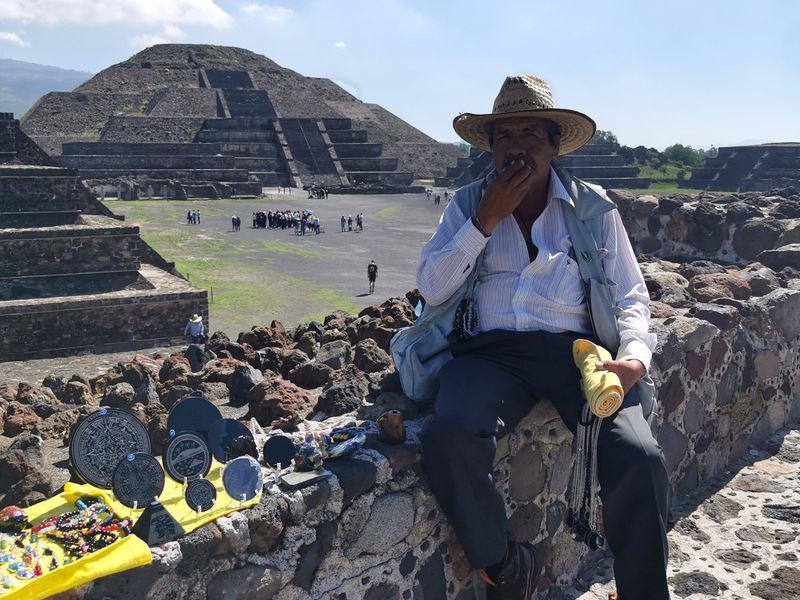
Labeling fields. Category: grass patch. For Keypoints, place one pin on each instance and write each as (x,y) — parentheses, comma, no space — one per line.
(387,212)
(665,188)
(282,248)
(241,275)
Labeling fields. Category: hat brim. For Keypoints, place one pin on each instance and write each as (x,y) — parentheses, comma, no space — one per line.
(576,127)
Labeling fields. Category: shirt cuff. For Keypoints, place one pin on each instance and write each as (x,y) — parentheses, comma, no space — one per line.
(469,239)
(638,350)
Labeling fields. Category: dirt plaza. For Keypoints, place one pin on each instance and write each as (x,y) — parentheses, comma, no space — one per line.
(257,275)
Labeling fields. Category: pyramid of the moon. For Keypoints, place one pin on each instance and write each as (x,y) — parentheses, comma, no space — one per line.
(199,120)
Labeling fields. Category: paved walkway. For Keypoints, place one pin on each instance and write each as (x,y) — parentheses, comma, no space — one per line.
(738,537)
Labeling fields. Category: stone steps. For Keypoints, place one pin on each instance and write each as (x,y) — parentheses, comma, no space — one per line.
(188,175)
(358,150)
(381,177)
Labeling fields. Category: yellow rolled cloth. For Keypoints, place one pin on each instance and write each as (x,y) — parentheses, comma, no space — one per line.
(602,389)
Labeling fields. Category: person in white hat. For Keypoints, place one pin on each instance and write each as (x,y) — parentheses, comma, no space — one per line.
(195,329)
(527,308)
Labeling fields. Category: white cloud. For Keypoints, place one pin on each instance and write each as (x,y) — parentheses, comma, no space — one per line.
(339,44)
(270,13)
(14,38)
(169,33)
(90,12)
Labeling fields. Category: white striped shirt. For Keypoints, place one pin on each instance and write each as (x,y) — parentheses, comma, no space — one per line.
(516,294)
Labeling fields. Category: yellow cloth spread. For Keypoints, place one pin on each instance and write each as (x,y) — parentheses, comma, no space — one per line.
(602,389)
(127,553)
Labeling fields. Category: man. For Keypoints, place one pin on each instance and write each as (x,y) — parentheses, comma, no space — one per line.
(530,308)
(194,329)
(372,274)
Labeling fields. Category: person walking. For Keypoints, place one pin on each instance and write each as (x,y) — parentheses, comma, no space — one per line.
(372,275)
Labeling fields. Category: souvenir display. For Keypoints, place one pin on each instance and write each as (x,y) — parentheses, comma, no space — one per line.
(229,439)
(279,449)
(200,495)
(137,480)
(193,414)
(58,540)
(243,478)
(186,457)
(314,448)
(101,439)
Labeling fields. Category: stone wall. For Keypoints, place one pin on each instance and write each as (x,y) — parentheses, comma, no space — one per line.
(121,319)
(91,246)
(134,129)
(730,228)
(728,374)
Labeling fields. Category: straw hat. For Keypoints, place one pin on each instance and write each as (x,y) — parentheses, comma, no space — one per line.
(526,96)
(196,318)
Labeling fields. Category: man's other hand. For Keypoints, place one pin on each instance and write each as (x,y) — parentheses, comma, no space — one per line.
(628,371)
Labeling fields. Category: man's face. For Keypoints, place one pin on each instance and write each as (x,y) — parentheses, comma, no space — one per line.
(523,139)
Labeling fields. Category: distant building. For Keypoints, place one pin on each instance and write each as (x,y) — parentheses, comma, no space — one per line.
(747,168)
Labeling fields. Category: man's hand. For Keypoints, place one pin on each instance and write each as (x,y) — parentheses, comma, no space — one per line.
(628,371)
(504,194)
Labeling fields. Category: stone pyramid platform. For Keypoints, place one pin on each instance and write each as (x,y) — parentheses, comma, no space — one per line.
(73,276)
(749,168)
(183,121)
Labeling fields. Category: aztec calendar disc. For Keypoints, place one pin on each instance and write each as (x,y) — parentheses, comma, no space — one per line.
(200,495)
(138,480)
(101,439)
(187,457)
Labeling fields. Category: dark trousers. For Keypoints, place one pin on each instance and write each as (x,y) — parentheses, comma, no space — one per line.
(490,385)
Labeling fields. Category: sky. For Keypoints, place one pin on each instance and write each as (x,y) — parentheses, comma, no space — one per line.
(654,72)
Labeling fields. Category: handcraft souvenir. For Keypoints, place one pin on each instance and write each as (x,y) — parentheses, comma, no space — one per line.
(193,414)
(225,440)
(186,457)
(200,495)
(137,480)
(101,439)
(243,478)
(279,449)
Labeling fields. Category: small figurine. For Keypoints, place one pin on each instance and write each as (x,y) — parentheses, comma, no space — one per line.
(13,517)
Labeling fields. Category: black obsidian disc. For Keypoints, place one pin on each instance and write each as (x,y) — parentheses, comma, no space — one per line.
(187,456)
(138,478)
(200,495)
(225,431)
(101,439)
(243,478)
(279,449)
(193,414)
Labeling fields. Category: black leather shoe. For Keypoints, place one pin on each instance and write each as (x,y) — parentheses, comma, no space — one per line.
(517,577)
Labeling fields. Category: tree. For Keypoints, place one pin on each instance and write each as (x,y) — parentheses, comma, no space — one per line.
(605,137)
(685,155)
